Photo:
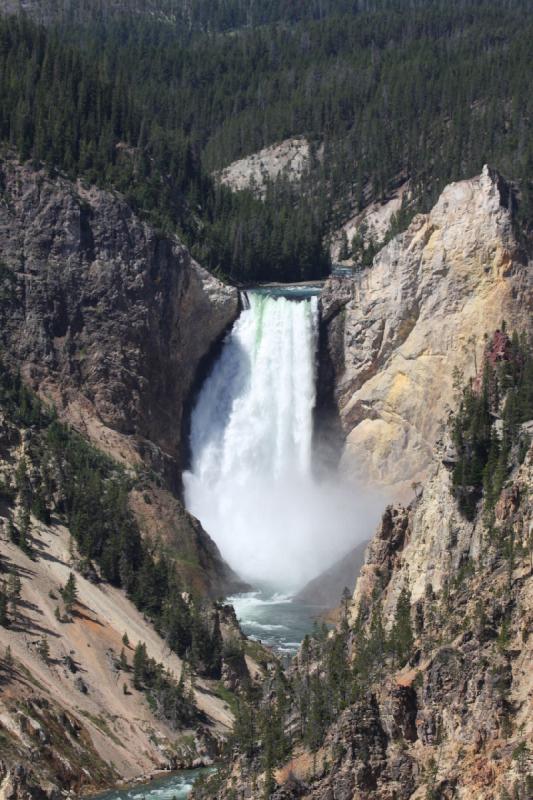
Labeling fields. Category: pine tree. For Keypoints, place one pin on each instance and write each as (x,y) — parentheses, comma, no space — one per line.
(43,649)
(401,637)
(318,712)
(344,252)
(345,605)
(123,661)
(9,662)
(20,533)
(4,619)
(70,593)
(244,730)
(139,666)
(22,482)
(14,591)
(39,507)
(215,665)
(12,532)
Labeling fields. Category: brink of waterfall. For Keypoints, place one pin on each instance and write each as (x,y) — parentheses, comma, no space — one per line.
(251,481)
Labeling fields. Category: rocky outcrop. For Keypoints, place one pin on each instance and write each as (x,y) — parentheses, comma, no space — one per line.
(106,317)
(72,716)
(110,321)
(394,334)
(454,722)
(288,159)
(457,718)
(35,729)
(371,224)
(197,559)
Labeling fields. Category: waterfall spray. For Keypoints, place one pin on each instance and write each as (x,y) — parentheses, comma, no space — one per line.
(251,481)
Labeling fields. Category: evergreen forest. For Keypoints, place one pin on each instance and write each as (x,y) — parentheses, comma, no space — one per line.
(151,99)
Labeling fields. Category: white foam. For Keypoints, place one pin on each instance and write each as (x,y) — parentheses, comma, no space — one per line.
(263,626)
(251,482)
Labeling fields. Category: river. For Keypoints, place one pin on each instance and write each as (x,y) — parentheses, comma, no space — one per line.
(176,786)
(275,619)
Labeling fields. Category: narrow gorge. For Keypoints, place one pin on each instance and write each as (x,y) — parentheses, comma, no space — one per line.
(266,400)
(256,381)
(423,689)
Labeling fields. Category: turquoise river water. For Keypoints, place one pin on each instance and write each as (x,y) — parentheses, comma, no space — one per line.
(265,615)
(275,619)
(177,786)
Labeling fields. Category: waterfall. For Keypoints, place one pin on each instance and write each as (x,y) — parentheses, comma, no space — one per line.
(251,481)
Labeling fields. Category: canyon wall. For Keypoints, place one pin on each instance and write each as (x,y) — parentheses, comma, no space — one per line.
(456,721)
(394,335)
(109,321)
(453,722)
(424,689)
(106,317)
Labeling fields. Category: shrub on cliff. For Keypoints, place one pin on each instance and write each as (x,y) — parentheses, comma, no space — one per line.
(487,427)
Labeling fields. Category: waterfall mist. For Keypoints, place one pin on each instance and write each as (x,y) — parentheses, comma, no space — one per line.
(252,482)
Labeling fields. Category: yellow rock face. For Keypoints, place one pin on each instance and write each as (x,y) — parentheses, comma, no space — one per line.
(423,309)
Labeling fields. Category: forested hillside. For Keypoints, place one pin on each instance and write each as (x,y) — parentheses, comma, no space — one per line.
(61,475)
(96,628)
(152,103)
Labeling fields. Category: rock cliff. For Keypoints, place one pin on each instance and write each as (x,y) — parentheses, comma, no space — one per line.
(102,681)
(74,720)
(288,159)
(394,334)
(110,321)
(455,720)
(106,317)
(424,690)
(371,224)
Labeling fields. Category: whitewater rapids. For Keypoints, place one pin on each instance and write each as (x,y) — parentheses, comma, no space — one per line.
(251,481)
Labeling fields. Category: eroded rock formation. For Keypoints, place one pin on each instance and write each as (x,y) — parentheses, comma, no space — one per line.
(455,721)
(289,159)
(106,317)
(395,333)
(436,696)
(109,321)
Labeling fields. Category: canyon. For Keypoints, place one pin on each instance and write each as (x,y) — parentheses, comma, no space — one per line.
(266,400)
(108,323)
(114,325)
(455,721)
